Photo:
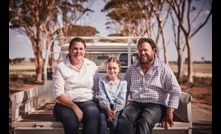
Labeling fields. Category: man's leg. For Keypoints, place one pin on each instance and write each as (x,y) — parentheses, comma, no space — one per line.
(127,119)
(151,114)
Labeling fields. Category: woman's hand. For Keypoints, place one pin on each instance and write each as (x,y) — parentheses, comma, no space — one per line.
(78,112)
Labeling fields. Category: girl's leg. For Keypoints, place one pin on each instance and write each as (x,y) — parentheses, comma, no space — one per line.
(103,122)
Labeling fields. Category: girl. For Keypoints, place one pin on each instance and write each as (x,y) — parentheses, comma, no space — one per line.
(112,91)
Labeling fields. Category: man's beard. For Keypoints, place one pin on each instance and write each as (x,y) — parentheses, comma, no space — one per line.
(145,60)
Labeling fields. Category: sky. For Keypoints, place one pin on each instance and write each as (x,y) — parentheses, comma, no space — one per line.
(20,46)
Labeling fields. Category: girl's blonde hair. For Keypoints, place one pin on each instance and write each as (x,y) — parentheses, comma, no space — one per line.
(113,59)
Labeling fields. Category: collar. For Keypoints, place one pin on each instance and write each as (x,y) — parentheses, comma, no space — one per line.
(67,62)
(155,64)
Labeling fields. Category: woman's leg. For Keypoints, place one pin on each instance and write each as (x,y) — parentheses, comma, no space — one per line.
(91,117)
(67,117)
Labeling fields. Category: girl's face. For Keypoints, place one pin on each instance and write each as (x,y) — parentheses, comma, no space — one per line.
(77,50)
(112,69)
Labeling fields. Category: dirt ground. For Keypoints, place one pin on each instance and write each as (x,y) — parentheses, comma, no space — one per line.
(201,109)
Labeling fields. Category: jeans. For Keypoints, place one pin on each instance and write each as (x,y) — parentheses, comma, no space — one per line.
(142,116)
(104,123)
(68,118)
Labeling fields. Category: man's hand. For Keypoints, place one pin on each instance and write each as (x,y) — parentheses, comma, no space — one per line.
(168,119)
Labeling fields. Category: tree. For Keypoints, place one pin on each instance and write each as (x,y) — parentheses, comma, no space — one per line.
(138,18)
(185,22)
(203,59)
(124,18)
(77,30)
(157,7)
(71,12)
(29,17)
(39,19)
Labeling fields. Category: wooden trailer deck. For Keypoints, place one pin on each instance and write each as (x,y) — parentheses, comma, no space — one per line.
(43,119)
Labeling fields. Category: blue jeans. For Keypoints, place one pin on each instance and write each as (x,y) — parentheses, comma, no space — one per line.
(68,118)
(104,123)
(142,116)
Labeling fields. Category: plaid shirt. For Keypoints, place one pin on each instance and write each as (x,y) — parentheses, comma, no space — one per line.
(159,85)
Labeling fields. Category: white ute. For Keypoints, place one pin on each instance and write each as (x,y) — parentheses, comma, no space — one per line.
(32,108)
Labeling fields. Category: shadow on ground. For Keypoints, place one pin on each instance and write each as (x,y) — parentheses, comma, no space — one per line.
(202,128)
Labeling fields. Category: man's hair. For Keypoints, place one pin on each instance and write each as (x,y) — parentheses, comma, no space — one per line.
(148,40)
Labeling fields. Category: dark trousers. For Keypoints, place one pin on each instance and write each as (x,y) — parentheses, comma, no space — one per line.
(142,116)
(66,115)
(104,123)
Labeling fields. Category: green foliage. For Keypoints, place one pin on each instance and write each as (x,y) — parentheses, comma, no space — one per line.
(77,30)
(128,14)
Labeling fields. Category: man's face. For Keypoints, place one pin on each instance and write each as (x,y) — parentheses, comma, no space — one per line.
(145,53)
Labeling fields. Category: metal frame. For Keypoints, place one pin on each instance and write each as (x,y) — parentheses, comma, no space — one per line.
(129,41)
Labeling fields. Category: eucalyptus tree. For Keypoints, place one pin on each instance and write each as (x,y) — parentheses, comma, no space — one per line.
(64,19)
(71,13)
(28,17)
(187,16)
(39,20)
(125,18)
(139,18)
(159,8)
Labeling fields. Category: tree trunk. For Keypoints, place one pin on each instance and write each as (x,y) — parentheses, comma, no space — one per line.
(180,65)
(190,65)
(39,66)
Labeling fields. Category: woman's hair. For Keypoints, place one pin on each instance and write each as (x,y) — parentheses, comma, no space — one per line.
(74,40)
(77,39)
(113,59)
(148,40)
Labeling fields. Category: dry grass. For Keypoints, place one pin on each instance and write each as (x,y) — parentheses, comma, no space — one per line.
(21,67)
(197,68)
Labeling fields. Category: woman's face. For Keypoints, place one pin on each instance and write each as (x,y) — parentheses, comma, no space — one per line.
(77,51)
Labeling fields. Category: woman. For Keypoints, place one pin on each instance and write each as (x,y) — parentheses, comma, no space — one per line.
(75,85)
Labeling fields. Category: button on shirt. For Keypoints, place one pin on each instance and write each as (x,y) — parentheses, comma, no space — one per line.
(79,85)
(159,85)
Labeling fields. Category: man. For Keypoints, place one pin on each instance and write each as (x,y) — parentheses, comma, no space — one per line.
(154,92)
